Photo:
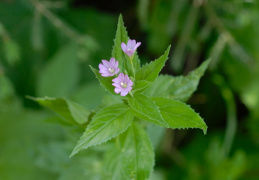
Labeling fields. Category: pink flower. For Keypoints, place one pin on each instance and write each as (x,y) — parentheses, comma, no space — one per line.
(131,47)
(122,84)
(109,68)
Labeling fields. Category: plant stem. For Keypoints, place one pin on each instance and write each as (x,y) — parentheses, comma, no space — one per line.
(231,113)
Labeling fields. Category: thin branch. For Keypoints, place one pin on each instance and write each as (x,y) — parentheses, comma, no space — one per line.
(68,31)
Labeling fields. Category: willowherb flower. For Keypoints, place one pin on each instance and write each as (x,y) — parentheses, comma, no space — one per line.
(109,68)
(123,84)
(131,47)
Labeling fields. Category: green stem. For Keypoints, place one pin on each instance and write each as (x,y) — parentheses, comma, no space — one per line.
(231,113)
(131,62)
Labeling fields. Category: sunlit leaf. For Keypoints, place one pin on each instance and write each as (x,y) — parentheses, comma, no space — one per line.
(106,124)
(179,115)
(180,87)
(146,109)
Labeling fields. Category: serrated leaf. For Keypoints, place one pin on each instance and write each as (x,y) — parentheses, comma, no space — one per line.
(68,110)
(180,87)
(149,72)
(106,124)
(178,115)
(119,55)
(137,155)
(140,86)
(146,109)
(106,82)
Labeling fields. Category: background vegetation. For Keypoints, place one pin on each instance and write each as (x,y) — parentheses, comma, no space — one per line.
(46,48)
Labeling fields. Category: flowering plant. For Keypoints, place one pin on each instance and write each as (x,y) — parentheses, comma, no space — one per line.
(143,97)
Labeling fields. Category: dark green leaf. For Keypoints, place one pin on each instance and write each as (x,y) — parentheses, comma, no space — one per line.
(60,76)
(68,110)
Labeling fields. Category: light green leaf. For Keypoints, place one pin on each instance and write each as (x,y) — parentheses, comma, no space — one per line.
(106,124)
(139,86)
(179,115)
(149,72)
(180,87)
(117,52)
(146,109)
(60,76)
(137,155)
(70,111)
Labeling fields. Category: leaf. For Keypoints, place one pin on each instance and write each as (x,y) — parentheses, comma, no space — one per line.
(106,82)
(60,76)
(106,124)
(180,87)
(68,110)
(137,155)
(146,109)
(149,72)
(117,52)
(140,86)
(179,115)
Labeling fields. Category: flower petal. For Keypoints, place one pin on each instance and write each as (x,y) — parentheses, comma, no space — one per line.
(106,63)
(117,90)
(123,47)
(137,45)
(124,92)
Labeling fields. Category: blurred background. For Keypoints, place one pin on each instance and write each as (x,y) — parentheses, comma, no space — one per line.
(46,48)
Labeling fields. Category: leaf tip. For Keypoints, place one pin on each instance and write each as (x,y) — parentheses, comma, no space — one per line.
(30,97)
(205,130)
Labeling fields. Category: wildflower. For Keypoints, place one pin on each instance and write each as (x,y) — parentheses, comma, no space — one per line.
(122,84)
(109,68)
(131,47)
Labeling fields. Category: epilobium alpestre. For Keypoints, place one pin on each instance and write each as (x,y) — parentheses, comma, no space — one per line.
(109,68)
(122,84)
(131,47)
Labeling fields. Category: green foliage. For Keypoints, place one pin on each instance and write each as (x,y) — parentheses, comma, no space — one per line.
(106,82)
(136,159)
(46,48)
(70,111)
(146,109)
(179,115)
(106,124)
(149,72)
(180,87)
(57,81)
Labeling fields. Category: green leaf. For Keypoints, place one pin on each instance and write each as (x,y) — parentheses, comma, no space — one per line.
(180,87)
(146,109)
(60,76)
(137,155)
(179,115)
(68,110)
(106,82)
(119,55)
(139,86)
(106,124)
(149,72)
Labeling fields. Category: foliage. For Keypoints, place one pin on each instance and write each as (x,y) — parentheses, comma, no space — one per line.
(46,48)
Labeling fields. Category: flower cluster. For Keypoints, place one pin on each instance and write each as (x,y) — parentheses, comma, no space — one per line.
(122,83)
